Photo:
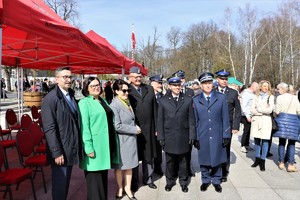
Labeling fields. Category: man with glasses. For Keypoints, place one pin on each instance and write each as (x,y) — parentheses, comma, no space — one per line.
(143,102)
(234,109)
(156,82)
(61,124)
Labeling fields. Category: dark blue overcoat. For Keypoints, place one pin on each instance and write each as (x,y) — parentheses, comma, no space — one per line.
(212,125)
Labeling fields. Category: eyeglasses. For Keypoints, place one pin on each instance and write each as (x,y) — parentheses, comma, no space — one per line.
(137,77)
(94,86)
(65,77)
(124,91)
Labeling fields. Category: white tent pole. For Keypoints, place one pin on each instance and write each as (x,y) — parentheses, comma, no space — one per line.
(18,87)
(123,73)
(21,92)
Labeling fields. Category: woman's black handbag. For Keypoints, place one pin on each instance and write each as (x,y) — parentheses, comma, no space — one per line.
(274,124)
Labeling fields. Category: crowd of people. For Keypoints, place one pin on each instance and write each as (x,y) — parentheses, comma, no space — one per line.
(137,122)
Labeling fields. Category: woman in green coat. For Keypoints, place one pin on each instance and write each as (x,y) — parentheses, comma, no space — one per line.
(100,141)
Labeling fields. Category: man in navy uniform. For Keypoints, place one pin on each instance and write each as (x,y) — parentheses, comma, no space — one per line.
(213,132)
(176,133)
(156,82)
(184,89)
(189,92)
(234,109)
(143,102)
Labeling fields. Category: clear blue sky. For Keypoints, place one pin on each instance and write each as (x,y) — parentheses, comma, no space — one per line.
(112,19)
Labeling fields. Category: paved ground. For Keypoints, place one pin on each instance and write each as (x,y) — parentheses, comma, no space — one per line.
(244,182)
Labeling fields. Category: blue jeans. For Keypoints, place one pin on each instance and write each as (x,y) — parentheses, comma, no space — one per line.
(261,148)
(290,150)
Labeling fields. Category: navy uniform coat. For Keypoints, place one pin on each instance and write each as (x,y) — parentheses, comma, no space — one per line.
(176,125)
(212,125)
(188,91)
(234,107)
(145,108)
(61,127)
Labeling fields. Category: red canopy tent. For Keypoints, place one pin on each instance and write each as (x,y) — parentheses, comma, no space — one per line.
(127,63)
(35,37)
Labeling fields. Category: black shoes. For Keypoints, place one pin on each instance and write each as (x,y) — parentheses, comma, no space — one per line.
(224,179)
(130,198)
(256,162)
(119,197)
(204,186)
(152,185)
(184,188)
(168,188)
(218,188)
(190,173)
(269,154)
(262,166)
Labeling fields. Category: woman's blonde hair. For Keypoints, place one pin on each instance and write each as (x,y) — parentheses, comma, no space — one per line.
(260,86)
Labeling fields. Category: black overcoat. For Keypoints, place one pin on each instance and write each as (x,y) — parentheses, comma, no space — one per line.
(176,124)
(144,108)
(61,127)
(234,107)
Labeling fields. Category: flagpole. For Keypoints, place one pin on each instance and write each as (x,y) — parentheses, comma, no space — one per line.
(132,42)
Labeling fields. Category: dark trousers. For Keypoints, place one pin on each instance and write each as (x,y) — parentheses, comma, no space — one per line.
(210,174)
(158,159)
(246,132)
(148,168)
(96,184)
(188,160)
(176,165)
(225,166)
(60,181)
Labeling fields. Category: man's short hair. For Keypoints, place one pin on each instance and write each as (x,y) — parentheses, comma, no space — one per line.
(61,69)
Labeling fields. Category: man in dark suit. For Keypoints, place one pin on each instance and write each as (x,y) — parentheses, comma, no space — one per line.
(234,109)
(61,124)
(213,132)
(189,92)
(156,83)
(176,132)
(143,102)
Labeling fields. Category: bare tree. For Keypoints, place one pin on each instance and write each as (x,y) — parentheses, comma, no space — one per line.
(152,52)
(66,9)
(227,44)
(252,34)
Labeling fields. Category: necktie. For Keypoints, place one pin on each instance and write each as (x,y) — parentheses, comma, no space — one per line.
(222,91)
(70,102)
(176,100)
(139,91)
(208,98)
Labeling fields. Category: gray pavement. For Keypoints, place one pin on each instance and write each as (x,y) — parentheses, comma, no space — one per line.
(243,182)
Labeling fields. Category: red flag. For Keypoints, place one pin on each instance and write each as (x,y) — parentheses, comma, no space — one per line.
(133,40)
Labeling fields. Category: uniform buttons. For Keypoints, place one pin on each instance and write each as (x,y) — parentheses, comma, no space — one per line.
(209,120)
(210,129)
(208,111)
(210,137)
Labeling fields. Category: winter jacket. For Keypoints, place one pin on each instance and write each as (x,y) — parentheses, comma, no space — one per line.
(288,126)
